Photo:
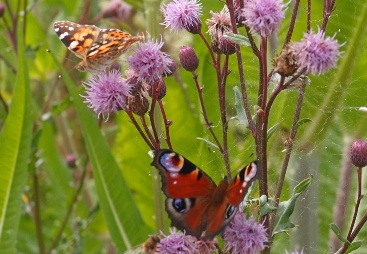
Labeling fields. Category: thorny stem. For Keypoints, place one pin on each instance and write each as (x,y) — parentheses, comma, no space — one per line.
(210,49)
(167,124)
(200,93)
(289,144)
(241,71)
(360,196)
(291,23)
(280,88)
(137,126)
(329,6)
(352,234)
(146,128)
(68,213)
(264,76)
(222,108)
(151,115)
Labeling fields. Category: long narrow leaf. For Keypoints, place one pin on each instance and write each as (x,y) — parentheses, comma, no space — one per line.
(15,143)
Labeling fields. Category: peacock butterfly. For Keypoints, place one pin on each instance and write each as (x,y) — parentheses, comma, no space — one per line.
(194,203)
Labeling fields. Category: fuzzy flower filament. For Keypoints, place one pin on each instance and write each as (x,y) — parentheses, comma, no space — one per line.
(315,53)
(148,62)
(263,16)
(244,236)
(106,92)
(182,14)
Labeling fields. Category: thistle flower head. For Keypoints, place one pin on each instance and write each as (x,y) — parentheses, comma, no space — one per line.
(263,16)
(358,153)
(182,14)
(315,53)
(177,242)
(219,23)
(106,92)
(244,236)
(148,61)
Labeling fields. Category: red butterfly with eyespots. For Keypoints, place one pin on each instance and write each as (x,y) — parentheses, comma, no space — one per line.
(195,204)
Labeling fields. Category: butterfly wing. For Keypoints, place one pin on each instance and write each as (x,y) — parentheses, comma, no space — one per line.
(241,183)
(78,38)
(188,190)
(110,44)
(226,199)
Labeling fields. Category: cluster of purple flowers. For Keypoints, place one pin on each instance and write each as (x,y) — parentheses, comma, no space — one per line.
(242,236)
(109,92)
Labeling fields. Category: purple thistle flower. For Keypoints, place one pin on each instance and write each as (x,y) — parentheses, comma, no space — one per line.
(106,92)
(218,24)
(263,16)
(244,236)
(207,246)
(177,242)
(315,53)
(148,62)
(180,14)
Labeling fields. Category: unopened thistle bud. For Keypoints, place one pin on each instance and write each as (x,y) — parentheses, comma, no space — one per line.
(139,104)
(159,88)
(358,153)
(226,46)
(188,58)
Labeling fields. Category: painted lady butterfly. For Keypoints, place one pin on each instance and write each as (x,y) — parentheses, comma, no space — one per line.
(97,47)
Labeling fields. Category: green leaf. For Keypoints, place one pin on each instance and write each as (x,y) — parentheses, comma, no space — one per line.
(338,233)
(272,130)
(241,116)
(237,38)
(303,185)
(15,146)
(122,216)
(354,246)
(266,205)
(208,142)
(286,208)
(302,121)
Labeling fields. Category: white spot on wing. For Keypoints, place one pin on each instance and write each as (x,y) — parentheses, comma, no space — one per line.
(57,29)
(63,35)
(71,28)
(73,44)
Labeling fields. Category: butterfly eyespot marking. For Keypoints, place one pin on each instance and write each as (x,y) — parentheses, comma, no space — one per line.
(230,211)
(181,205)
(172,162)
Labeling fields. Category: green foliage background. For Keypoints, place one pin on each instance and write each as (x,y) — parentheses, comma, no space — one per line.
(115,208)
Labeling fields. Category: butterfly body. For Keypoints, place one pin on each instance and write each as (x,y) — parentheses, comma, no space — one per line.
(194,202)
(98,48)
